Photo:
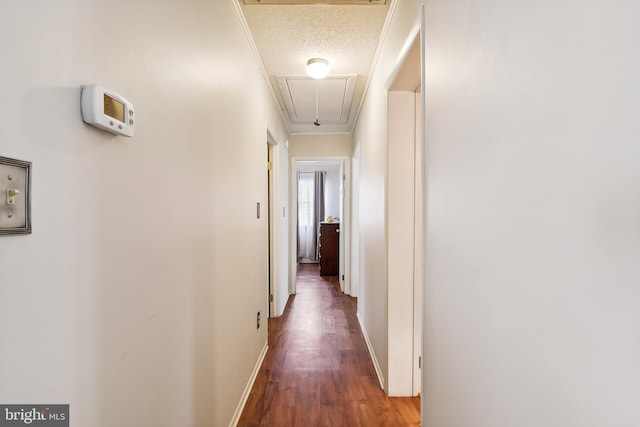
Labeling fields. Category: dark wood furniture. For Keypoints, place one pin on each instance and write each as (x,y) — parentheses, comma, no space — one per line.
(329,237)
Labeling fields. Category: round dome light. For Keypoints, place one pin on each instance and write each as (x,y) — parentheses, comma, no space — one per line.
(317,68)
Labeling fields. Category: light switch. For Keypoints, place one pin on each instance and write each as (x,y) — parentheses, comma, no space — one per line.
(15,196)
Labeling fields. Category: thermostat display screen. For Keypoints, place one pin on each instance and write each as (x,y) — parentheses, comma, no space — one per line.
(107,110)
(113,108)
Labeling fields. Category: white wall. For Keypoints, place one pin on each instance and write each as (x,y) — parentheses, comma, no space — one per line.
(533,257)
(332,191)
(132,300)
(371,136)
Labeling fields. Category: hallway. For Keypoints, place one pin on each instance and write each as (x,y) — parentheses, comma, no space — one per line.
(318,371)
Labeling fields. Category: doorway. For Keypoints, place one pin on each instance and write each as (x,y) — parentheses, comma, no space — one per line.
(270,229)
(320,193)
(404,229)
(313,197)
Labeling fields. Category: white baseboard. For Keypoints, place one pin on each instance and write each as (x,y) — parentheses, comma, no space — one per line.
(376,365)
(248,387)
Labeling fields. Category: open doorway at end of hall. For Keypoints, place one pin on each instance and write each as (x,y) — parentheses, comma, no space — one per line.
(320,226)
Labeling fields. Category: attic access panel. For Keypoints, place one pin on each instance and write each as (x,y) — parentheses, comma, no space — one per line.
(334,95)
(333,2)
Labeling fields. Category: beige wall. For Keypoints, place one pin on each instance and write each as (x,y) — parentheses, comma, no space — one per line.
(132,300)
(533,249)
(320,145)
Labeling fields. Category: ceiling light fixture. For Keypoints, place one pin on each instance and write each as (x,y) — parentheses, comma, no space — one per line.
(317,68)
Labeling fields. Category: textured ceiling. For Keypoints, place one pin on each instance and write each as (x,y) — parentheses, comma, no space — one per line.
(286,36)
(342,2)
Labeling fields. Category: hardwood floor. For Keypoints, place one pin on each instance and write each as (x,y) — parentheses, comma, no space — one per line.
(317,371)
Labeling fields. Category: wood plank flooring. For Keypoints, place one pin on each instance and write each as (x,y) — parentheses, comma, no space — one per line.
(317,371)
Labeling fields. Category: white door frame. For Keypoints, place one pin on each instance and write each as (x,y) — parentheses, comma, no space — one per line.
(345,230)
(271,297)
(404,223)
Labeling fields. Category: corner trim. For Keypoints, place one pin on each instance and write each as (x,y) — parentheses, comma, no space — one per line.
(248,387)
(374,359)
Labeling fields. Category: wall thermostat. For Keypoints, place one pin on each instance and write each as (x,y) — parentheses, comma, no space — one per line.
(105,109)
